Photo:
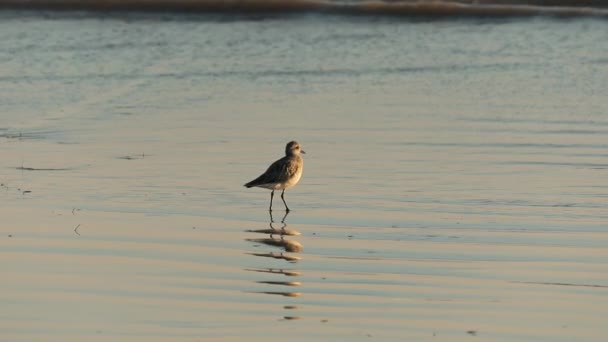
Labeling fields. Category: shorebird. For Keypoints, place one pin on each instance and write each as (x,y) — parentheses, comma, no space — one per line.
(283,173)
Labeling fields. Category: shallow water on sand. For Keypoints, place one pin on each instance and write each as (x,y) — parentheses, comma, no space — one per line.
(454,184)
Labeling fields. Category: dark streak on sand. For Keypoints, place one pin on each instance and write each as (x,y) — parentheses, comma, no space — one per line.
(561,284)
(132,157)
(34,135)
(41,169)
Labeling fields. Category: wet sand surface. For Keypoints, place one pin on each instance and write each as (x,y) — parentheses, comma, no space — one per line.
(454,184)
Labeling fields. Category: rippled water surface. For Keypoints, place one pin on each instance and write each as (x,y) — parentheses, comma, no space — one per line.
(455,182)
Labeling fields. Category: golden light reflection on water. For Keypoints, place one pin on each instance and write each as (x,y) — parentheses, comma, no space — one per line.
(458,185)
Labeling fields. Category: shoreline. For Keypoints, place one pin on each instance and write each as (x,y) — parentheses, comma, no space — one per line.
(485,8)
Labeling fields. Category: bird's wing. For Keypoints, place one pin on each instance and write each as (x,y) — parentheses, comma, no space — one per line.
(278,172)
(285,169)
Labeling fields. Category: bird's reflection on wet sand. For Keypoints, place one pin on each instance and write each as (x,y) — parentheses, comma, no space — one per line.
(278,234)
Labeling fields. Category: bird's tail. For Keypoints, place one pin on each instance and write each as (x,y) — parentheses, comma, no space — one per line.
(257,181)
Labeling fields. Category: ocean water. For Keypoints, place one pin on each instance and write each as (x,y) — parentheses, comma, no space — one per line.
(455,182)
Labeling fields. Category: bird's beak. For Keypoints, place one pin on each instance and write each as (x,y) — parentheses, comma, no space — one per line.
(302,151)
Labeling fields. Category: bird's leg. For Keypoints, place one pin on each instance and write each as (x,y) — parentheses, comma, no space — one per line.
(271,196)
(286,207)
